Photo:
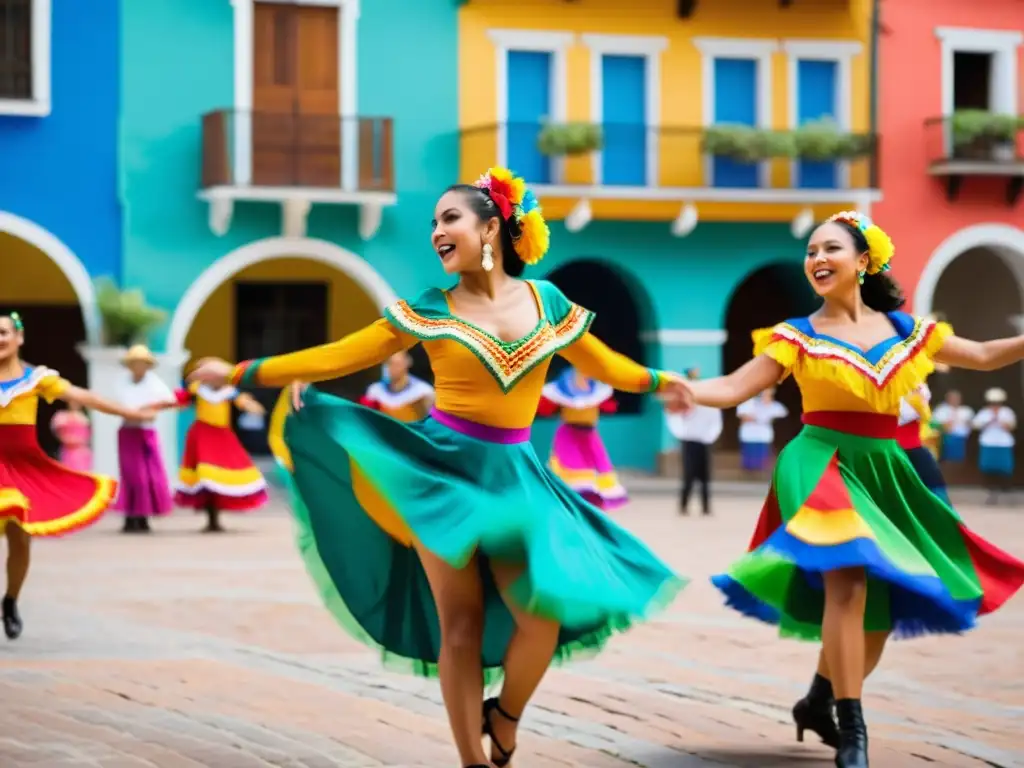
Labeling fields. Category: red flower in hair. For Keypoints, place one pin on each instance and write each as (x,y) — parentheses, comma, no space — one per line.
(503,204)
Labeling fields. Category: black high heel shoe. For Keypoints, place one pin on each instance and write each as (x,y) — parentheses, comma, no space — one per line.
(12,619)
(853,735)
(815,713)
(492,705)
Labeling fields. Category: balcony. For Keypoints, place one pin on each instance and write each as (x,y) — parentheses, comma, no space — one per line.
(664,167)
(296,160)
(976,146)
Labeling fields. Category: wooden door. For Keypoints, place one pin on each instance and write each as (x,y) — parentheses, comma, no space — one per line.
(272,319)
(296,129)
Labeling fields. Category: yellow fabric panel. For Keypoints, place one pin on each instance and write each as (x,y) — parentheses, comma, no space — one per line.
(830,528)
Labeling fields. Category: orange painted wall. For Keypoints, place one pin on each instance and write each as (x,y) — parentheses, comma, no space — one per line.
(915,211)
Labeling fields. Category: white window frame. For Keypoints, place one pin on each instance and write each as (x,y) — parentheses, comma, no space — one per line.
(536,41)
(650,47)
(348,80)
(1002,44)
(762,51)
(38,104)
(842,53)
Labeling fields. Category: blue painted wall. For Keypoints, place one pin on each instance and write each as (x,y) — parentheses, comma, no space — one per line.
(60,171)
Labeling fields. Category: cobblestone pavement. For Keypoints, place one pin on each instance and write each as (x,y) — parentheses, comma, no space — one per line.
(183,650)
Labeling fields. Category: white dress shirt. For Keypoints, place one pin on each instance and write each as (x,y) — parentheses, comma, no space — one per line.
(700,425)
(761,414)
(996,425)
(955,421)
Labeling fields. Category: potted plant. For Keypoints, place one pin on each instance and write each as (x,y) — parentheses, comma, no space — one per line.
(747,144)
(126,317)
(569,139)
(981,135)
(824,140)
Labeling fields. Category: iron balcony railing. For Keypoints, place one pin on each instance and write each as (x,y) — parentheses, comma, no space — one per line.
(281,149)
(997,141)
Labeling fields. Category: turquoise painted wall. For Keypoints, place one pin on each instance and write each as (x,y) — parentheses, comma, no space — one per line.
(167,87)
(688,283)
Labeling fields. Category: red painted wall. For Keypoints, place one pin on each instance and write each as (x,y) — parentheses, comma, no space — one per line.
(915,211)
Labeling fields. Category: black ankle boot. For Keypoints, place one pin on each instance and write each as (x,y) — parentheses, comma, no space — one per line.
(12,619)
(815,713)
(853,735)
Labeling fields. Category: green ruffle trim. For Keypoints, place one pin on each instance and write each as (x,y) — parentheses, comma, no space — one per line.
(582,648)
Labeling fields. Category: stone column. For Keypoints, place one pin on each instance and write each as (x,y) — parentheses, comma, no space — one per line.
(104,371)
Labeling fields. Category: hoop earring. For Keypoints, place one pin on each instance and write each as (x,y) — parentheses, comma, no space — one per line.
(860,277)
(487,257)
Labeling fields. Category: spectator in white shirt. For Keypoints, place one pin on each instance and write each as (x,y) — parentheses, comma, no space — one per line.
(697,430)
(757,434)
(955,420)
(995,460)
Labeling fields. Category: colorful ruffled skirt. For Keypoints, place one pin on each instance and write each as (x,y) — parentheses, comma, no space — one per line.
(143,490)
(579,458)
(216,472)
(845,495)
(366,486)
(41,495)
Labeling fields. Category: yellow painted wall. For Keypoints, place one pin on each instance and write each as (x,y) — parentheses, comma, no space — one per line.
(30,276)
(680,159)
(213,331)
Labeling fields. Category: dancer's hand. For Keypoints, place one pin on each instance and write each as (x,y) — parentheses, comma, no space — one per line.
(676,395)
(298,390)
(147,414)
(212,371)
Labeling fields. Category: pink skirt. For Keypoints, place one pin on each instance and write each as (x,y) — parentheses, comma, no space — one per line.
(579,458)
(143,491)
(76,457)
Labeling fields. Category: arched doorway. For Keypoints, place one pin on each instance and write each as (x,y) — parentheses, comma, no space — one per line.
(49,287)
(766,296)
(621,312)
(276,296)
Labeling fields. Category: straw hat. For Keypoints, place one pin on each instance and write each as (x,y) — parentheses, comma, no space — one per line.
(995,395)
(139,353)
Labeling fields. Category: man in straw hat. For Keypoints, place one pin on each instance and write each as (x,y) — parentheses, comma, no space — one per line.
(996,460)
(144,491)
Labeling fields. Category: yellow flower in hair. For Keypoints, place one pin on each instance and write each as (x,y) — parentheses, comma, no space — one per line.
(880,249)
(535,237)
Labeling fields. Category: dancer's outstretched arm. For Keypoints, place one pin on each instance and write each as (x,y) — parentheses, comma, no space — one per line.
(959,352)
(89,399)
(739,386)
(360,350)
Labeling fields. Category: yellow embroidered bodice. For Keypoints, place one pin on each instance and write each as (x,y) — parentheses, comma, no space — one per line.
(836,376)
(213,406)
(19,398)
(476,375)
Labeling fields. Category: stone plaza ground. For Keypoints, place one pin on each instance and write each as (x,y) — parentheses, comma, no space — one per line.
(183,650)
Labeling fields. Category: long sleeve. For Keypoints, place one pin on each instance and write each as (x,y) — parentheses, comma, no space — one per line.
(593,358)
(367,347)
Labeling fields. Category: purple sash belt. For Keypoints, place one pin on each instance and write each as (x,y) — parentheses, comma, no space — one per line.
(481,431)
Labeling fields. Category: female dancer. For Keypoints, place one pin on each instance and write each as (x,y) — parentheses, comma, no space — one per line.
(851,544)
(71,426)
(216,473)
(578,455)
(446,543)
(38,496)
(144,491)
(399,394)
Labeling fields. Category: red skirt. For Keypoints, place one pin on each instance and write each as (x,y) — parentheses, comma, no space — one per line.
(216,472)
(42,496)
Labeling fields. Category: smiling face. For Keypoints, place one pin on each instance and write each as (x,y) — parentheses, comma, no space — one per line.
(11,339)
(459,233)
(833,260)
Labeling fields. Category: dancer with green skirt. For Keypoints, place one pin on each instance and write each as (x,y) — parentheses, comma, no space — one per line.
(851,546)
(446,543)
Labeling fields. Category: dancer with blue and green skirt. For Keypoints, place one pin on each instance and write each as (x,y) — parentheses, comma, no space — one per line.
(851,545)
(447,543)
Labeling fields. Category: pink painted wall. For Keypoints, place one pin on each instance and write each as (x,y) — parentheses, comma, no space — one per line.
(915,211)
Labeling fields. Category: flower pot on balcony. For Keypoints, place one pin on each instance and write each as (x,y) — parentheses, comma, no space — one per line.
(746,144)
(569,139)
(981,135)
(824,140)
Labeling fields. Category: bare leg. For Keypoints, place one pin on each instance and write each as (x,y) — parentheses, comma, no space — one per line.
(874,646)
(460,606)
(527,658)
(18,551)
(843,642)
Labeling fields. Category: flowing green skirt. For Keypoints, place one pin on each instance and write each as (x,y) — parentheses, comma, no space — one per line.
(365,487)
(841,500)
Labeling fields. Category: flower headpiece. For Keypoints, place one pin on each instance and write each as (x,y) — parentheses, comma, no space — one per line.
(515,201)
(16,321)
(880,247)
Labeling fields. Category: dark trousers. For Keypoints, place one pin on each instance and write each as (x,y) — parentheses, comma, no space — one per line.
(696,469)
